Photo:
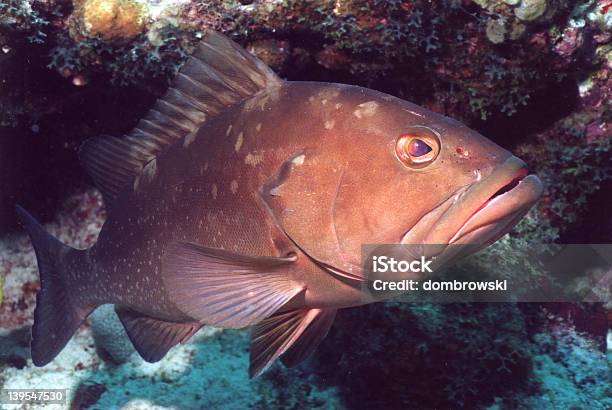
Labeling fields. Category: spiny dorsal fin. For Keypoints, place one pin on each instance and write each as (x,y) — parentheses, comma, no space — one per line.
(219,74)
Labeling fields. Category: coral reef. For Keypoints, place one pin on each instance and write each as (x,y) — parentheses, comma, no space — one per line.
(471,353)
(111,20)
(570,370)
(463,356)
(478,58)
(30,19)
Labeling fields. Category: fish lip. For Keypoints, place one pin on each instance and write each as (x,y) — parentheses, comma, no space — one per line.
(516,194)
(458,218)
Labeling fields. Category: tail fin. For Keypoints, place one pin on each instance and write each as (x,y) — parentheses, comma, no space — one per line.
(56,317)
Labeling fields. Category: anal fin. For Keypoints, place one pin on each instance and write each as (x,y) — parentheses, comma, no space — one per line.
(294,335)
(151,337)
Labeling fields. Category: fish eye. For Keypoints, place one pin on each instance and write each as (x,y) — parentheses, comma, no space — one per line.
(417,148)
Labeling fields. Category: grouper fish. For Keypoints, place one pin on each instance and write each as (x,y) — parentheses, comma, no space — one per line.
(241,199)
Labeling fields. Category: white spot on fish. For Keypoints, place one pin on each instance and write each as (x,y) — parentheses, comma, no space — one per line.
(229,130)
(214,191)
(329,124)
(477,174)
(338,105)
(311,98)
(258,127)
(253,159)
(239,141)
(234,186)
(324,101)
(299,160)
(366,109)
(189,138)
(328,93)
(413,112)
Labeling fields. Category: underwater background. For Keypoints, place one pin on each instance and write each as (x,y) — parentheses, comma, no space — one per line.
(532,75)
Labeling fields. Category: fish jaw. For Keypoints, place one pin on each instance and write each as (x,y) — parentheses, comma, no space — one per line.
(482,212)
(501,212)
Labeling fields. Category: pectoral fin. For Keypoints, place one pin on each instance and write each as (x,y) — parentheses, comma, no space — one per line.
(225,289)
(294,334)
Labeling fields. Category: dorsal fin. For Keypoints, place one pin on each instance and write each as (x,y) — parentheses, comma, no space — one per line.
(219,74)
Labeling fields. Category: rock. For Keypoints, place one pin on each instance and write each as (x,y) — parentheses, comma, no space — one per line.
(15,346)
(109,335)
(571,40)
(516,30)
(496,31)
(530,10)
(274,53)
(87,395)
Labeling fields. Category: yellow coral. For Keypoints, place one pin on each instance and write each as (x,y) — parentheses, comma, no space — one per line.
(113,20)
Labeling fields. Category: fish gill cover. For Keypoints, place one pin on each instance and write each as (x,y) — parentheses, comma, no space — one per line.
(534,76)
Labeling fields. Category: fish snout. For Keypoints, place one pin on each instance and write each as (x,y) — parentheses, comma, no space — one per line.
(493,206)
(482,212)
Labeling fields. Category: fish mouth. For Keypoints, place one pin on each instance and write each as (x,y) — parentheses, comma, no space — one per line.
(484,211)
(501,211)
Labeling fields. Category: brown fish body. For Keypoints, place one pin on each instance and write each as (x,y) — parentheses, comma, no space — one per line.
(244,200)
(209,190)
